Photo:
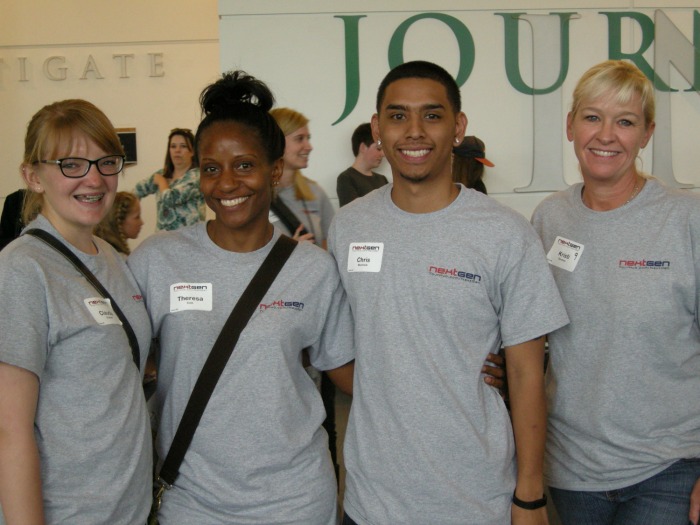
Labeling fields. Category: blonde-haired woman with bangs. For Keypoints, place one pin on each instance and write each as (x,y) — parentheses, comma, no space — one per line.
(302,196)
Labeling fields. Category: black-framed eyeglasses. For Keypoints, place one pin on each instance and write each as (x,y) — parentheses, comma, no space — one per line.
(76,167)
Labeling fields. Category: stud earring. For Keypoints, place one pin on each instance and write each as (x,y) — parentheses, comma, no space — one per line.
(456,140)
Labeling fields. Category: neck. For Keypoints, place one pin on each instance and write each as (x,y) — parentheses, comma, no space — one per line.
(359,166)
(422,197)
(80,238)
(287,178)
(245,241)
(179,171)
(605,197)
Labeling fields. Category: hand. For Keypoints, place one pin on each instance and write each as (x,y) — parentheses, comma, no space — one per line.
(520,516)
(305,237)
(496,374)
(694,514)
(161,182)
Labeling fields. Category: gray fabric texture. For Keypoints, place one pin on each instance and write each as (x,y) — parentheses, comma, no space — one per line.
(260,454)
(91,424)
(315,215)
(428,441)
(624,376)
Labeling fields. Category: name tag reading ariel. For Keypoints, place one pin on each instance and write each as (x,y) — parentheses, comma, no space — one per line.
(365,256)
(101,310)
(565,254)
(190,296)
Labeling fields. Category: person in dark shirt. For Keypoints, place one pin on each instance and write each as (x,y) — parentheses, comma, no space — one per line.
(359,179)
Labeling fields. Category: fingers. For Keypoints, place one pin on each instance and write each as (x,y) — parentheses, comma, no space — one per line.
(694,513)
(493,371)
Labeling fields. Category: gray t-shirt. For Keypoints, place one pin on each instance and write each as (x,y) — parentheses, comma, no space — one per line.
(260,454)
(91,424)
(316,215)
(624,376)
(428,441)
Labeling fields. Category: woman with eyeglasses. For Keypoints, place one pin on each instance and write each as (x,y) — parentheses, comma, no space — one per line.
(75,442)
(178,199)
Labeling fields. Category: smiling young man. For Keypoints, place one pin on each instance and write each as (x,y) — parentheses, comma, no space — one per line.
(438,276)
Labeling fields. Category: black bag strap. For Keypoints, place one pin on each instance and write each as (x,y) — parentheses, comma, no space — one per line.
(220,354)
(287,216)
(61,248)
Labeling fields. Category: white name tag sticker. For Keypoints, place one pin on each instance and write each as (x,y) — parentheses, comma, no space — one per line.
(365,256)
(190,296)
(101,310)
(565,254)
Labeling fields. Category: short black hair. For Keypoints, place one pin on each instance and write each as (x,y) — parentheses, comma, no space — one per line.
(422,69)
(361,135)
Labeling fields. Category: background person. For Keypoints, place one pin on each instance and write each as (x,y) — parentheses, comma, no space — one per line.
(359,179)
(176,187)
(624,436)
(123,222)
(259,454)
(468,163)
(304,197)
(75,442)
(11,221)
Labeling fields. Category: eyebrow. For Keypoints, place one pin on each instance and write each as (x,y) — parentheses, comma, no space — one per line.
(424,107)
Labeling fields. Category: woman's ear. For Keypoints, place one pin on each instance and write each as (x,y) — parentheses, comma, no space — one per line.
(31,178)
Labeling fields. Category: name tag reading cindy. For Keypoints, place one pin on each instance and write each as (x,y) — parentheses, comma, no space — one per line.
(365,256)
(101,310)
(565,254)
(190,296)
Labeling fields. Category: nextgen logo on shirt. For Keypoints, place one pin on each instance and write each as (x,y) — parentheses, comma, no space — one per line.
(643,264)
(454,273)
(282,305)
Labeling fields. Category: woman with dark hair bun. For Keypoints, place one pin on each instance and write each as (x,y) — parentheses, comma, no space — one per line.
(259,454)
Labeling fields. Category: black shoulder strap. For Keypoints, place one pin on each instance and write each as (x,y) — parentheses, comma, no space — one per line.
(60,247)
(220,354)
(286,215)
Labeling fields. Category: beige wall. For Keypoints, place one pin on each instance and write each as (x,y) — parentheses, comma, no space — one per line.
(175,48)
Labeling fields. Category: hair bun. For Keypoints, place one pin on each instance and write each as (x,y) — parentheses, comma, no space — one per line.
(233,89)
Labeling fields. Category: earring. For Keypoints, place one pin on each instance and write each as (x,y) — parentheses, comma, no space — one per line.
(379,143)
(457,140)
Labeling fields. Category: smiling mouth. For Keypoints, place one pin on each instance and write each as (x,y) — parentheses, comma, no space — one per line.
(90,198)
(602,153)
(233,202)
(415,153)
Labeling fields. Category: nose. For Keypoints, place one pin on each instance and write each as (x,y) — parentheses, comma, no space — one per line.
(227,181)
(415,127)
(93,176)
(308,145)
(606,132)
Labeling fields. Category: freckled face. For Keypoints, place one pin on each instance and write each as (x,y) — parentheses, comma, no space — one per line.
(74,206)
(607,137)
(297,149)
(236,177)
(418,127)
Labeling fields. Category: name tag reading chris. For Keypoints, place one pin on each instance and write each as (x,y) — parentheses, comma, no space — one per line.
(365,256)
(190,296)
(101,310)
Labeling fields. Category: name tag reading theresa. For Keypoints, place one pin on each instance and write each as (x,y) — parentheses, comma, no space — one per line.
(565,254)
(365,256)
(190,296)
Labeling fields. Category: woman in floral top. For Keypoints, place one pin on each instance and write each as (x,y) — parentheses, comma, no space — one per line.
(176,186)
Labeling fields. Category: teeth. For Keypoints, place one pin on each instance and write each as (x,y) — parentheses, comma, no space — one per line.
(233,202)
(89,198)
(415,152)
(602,153)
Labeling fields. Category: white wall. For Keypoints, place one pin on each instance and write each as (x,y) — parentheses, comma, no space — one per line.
(298,48)
(185,33)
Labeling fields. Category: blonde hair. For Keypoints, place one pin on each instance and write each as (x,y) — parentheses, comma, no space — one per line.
(619,79)
(289,121)
(51,133)
(110,228)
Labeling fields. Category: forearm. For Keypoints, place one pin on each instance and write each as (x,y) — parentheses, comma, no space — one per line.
(529,415)
(20,480)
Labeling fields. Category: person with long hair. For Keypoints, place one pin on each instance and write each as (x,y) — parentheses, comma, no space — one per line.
(623,441)
(259,454)
(75,441)
(304,197)
(123,222)
(468,161)
(176,186)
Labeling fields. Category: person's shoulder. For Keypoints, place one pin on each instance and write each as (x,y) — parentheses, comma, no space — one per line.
(164,240)
(345,174)
(556,200)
